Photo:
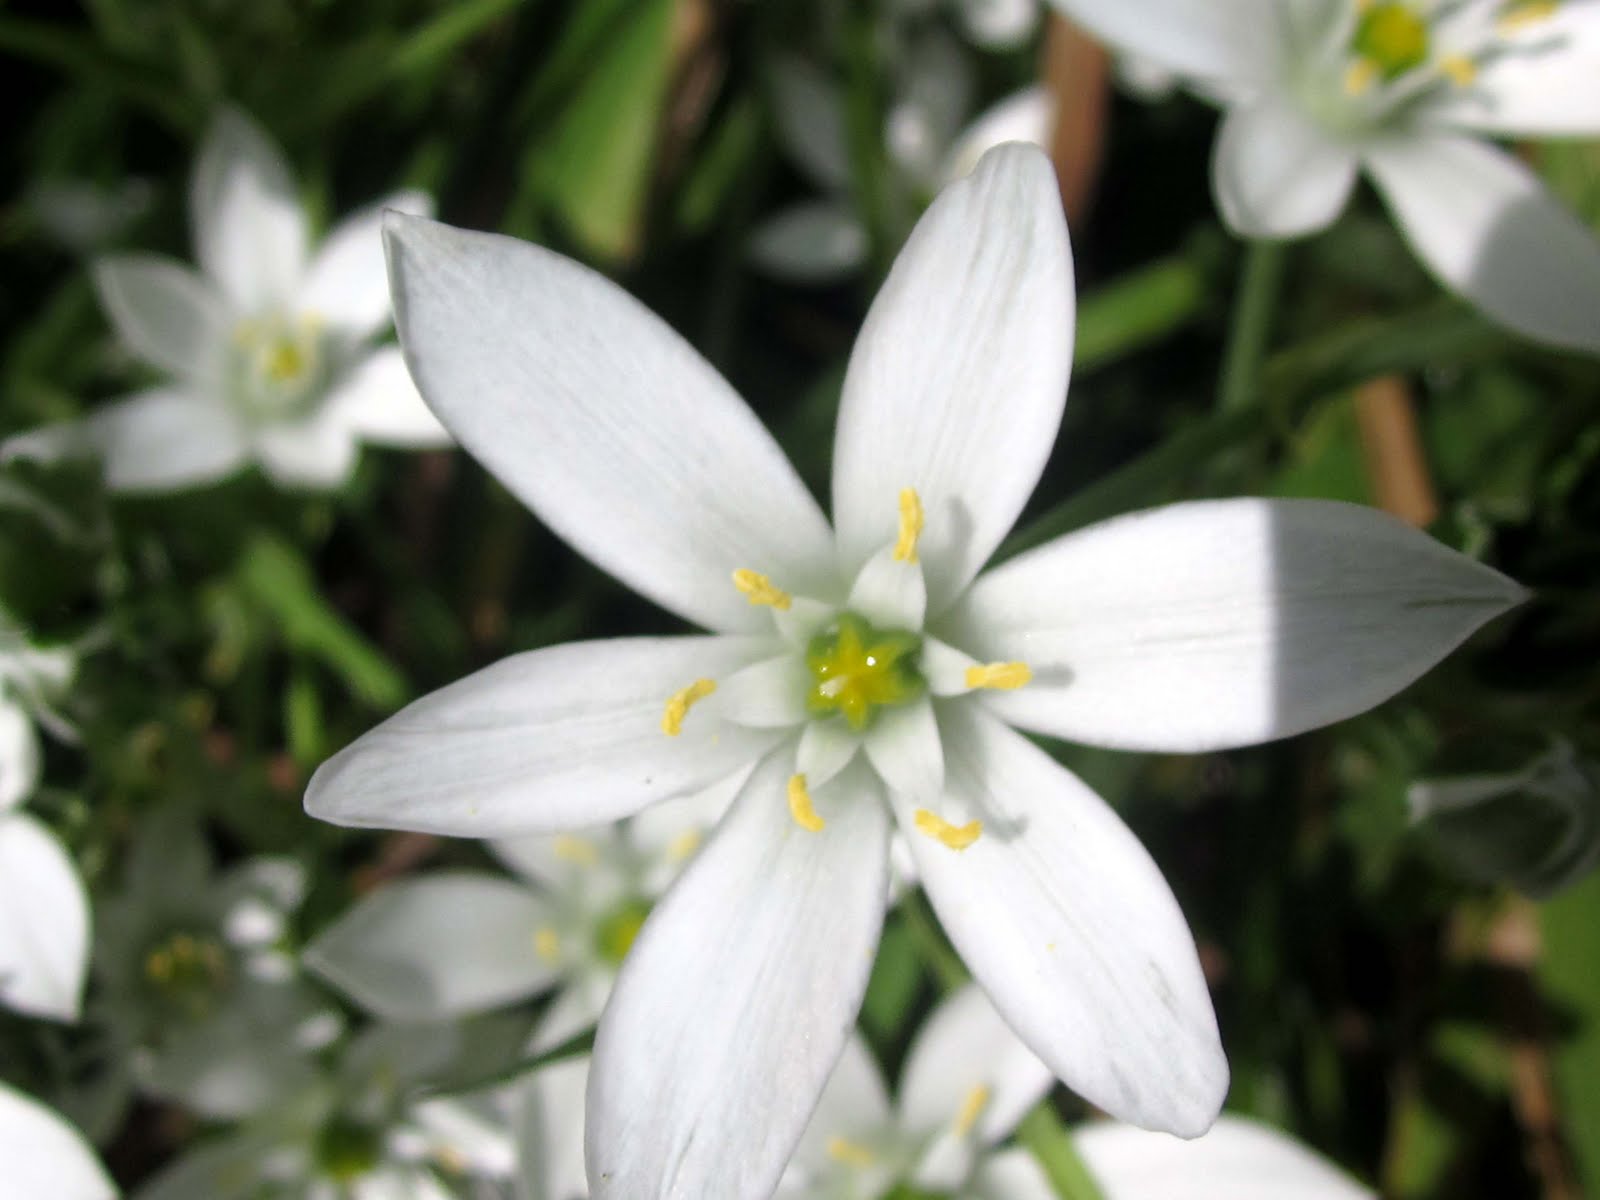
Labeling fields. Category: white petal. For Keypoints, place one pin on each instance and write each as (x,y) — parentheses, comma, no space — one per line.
(903,746)
(1544,83)
(468,1132)
(811,122)
(945,668)
(1238,1160)
(591,861)
(378,403)
(574,1010)
(998,24)
(44,922)
(19,754)
(769,694)
(1025,116)
(962,1047)
(1487,228)
(603,421)
(347,285)
(1238,41)
(821,241)
(164,313)
(551,1133)
(853,1106)
(316,453)
(437,946)
(45,1156)
(669,835)
(738,997)
(1014,1175)
(1224,623)
(249,228)
(551,740)
(1070,928)
(1275,175)
(826,748)
(958,380)
(890,594)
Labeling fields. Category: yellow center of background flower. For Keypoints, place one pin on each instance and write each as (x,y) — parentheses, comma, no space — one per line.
(1393,38)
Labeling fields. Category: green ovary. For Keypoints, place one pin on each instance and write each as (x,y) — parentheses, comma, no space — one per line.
(1393,37)
(856,670)
(618,930)
(346,1150)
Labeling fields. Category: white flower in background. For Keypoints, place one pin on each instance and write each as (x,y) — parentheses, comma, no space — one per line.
(267,349)
(1239,1159)
(1317,91)
(44,910)
(966,1083)
(45,1157)
(859,678)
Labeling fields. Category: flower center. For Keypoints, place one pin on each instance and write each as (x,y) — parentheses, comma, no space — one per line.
(857,669)
(278,366)
(346,1150)
(616,932)
(1392,38)
(187,970)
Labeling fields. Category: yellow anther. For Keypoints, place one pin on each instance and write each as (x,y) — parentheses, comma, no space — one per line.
(851,1154)
(684,845)
(1519,14)
(957,837)
(905,546)
(158,966)
(761,591)
(452,1160)
(1459,69)
(1359,77)
(971,1109)
(800,806)
(576,850)
(682,701)
(547,943)
(1000,676)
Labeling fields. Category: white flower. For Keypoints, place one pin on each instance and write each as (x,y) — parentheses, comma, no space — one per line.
(44,1156)
(267,348)
(967,1082)
(44,910)
(859,677)
(1319,90)
(1239,1159)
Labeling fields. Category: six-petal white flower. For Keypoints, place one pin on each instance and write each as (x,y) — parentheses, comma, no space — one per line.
(1318,90)
(1193,627)
(267,348)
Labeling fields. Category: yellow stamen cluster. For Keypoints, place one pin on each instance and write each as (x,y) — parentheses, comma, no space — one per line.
(185,957)
(911,519)
(956,837)
(681,702)
(971,1109)
(800,807)
(761,591)
(1000,676)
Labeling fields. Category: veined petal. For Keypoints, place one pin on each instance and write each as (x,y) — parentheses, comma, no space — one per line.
(44,922)
(1487,229)
(1223,623)
(959,377)
(854,1107)
(738,997)
(1238,42)
(1070,928)
(603,421)
(1024,116)
(1275,175)
(46,1156)
(19,755)
(769,694)
(249,228)
(903,746)
(826,748)
(1238,1160)
(889,593)
(542,742)
(1015,1175)
(437,946)
(164,313)
(966,1067)
(315,453)
(347,284)
(1544,81)
(378,403)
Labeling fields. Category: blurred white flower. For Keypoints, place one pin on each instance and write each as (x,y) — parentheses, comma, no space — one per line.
(1239,1159)
(967,1081)
(267,349)
(860,671)
(44,1156)
(1317,91)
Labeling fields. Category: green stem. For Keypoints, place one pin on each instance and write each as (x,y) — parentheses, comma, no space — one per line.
(936,952)
(1044,1136)
(1253,310)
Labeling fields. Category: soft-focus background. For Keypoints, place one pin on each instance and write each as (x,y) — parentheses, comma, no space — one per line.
(1422,1004)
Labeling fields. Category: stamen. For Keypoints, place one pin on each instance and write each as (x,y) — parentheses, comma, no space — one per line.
(684,845)
(682,701)
(956,837)
(1000,676)
(1460,69)
(905,547)
(760,590)
(1519,14)
(1359,77)
(547,943)
(971,1109)
(801,808)
(576,850)
(851,1154)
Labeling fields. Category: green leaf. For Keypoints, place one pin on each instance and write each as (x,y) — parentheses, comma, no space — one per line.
(1135,311)
(1569,969)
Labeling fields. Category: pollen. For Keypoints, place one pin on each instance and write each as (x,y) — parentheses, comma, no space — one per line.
(547,943)
(1459,69)
(761,591)
(576,850)
(956,837)
(682,701)
(971,1109)
(801,808)
(1000,676)
(905,546)
(851,1154)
